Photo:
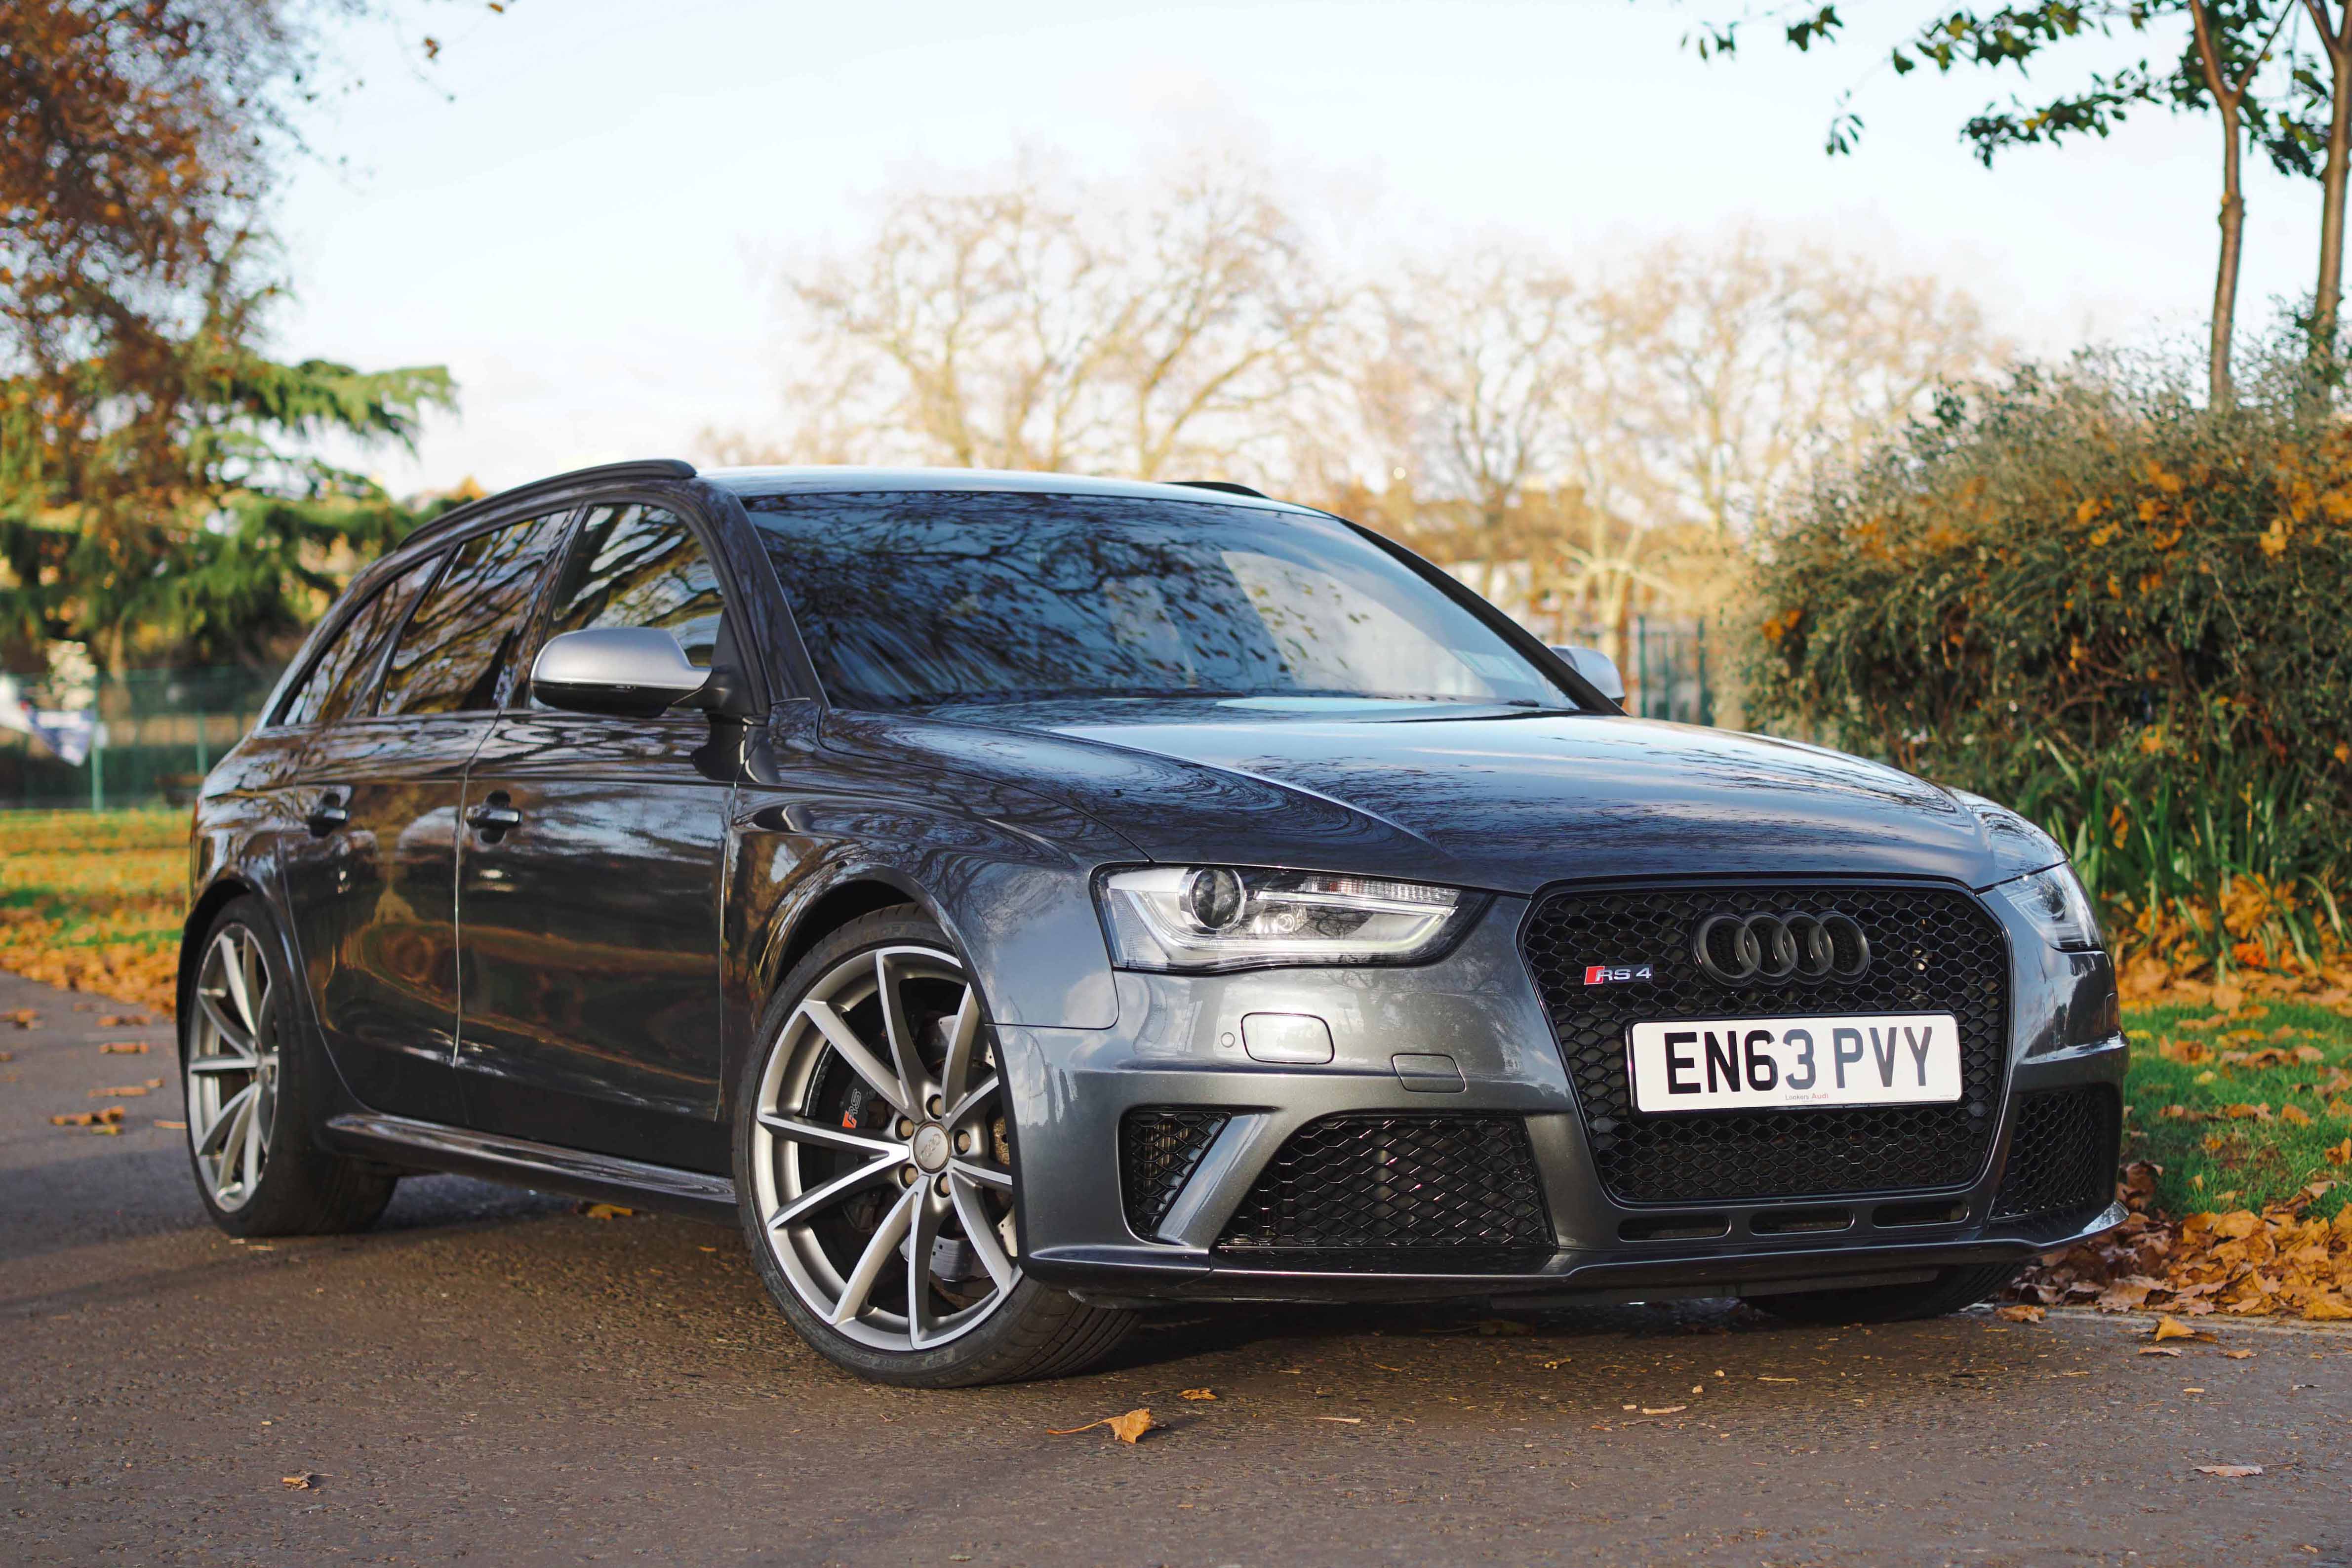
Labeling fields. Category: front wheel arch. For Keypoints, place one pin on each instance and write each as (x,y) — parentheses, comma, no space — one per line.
(223,891)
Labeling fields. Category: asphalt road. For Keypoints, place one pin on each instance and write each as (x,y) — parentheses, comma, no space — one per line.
(489,1376)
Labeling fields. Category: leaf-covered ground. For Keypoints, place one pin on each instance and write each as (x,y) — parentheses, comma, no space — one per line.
(93,900)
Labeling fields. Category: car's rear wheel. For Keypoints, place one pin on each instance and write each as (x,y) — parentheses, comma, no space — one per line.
(1949,1291)
(248,1088)
(878,1175)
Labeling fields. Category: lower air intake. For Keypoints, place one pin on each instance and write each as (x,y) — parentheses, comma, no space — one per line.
(1159,1149)
(2062,1158)
(1352,1190)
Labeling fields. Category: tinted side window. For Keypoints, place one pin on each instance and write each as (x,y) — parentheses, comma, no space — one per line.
(640,566)
(454,654)
(338,681)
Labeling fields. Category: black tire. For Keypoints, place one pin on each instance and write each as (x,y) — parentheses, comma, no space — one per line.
(1949,1291)
(1032,1330)
(300,1189)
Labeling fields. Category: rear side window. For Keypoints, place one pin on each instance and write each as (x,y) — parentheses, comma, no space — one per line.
(339,681)
(640,566)
(458,649)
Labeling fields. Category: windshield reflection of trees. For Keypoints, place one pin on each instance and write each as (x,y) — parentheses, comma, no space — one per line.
(924,597)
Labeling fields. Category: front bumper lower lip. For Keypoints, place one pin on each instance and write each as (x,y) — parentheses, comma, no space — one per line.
(1129,1275)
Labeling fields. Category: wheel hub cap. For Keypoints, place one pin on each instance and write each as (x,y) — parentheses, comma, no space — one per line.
(929,1148)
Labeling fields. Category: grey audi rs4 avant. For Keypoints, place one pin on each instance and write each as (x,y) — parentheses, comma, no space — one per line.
(1017,900)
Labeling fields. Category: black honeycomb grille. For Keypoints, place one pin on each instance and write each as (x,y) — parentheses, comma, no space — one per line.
(1933,949)
(1369,1184)
(1159,1149)
(2062,1158)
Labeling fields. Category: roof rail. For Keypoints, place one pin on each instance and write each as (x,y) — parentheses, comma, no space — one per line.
(1227,486)
(638,468)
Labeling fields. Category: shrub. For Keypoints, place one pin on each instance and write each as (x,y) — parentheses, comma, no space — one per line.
(2129,615)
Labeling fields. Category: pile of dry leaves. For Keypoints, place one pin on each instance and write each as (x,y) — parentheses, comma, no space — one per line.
(136,971)
(2240,1262)
(2147,980)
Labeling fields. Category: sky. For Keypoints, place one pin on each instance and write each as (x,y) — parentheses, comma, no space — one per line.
(579,208)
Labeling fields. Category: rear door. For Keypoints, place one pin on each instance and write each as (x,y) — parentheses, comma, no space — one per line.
(374,895)
(590,887)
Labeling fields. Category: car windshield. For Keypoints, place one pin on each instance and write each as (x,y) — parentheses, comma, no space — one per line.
(922,597)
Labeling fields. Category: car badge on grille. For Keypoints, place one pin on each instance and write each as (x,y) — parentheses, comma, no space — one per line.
(1612,974)
(1736,950)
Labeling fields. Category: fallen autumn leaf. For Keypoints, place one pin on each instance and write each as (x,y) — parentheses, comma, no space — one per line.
(1127,1428)
(2172,1328)
(2020,1313)
(306,1481)
(2231,1472)
(1665,1409)
(1197,1393)
(101,1118)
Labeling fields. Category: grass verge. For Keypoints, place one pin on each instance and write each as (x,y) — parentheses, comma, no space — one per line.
(92,900)
(2241,1110)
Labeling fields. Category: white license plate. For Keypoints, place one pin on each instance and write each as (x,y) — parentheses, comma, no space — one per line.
(1772,1064)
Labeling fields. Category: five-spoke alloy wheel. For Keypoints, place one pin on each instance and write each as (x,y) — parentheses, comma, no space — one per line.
(877,1171)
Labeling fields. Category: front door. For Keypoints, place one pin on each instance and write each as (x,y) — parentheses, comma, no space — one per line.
(588,897)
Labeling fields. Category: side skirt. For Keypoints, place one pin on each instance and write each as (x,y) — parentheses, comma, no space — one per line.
(401,1141)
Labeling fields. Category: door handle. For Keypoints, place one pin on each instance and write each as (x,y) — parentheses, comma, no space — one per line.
(330,814)
(494,817)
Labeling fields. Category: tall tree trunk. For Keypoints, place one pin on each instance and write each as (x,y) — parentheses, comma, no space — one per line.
(2230,97)
(2221,391)
(2329,294)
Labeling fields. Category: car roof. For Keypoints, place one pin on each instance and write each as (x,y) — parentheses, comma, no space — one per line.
(811,479)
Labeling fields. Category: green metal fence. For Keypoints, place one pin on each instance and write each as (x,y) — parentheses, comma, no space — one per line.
(1666,665)
(159,732)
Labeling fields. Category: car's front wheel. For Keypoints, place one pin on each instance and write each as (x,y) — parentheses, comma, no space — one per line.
(877,1172)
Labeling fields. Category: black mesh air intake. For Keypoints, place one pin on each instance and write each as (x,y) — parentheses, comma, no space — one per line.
(2062,1155)
(1933,949)
(1373,1183)
(1158,1150)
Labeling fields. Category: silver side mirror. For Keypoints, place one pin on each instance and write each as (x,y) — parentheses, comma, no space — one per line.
(626,671)
(1597,668)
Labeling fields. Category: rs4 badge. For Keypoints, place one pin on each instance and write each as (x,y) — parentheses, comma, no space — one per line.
(1610,974)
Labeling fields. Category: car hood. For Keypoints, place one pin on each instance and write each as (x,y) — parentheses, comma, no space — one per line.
(1498,799)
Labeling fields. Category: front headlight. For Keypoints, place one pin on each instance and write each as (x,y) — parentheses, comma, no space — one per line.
(2054,901)
(1204,918)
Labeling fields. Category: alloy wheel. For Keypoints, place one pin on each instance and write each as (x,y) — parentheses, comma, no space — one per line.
(232,1068)
(881,1163)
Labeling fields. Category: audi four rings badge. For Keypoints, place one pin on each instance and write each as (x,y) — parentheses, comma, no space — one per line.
(1736,950)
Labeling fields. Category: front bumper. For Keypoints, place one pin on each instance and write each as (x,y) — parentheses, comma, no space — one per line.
(1477,1043)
